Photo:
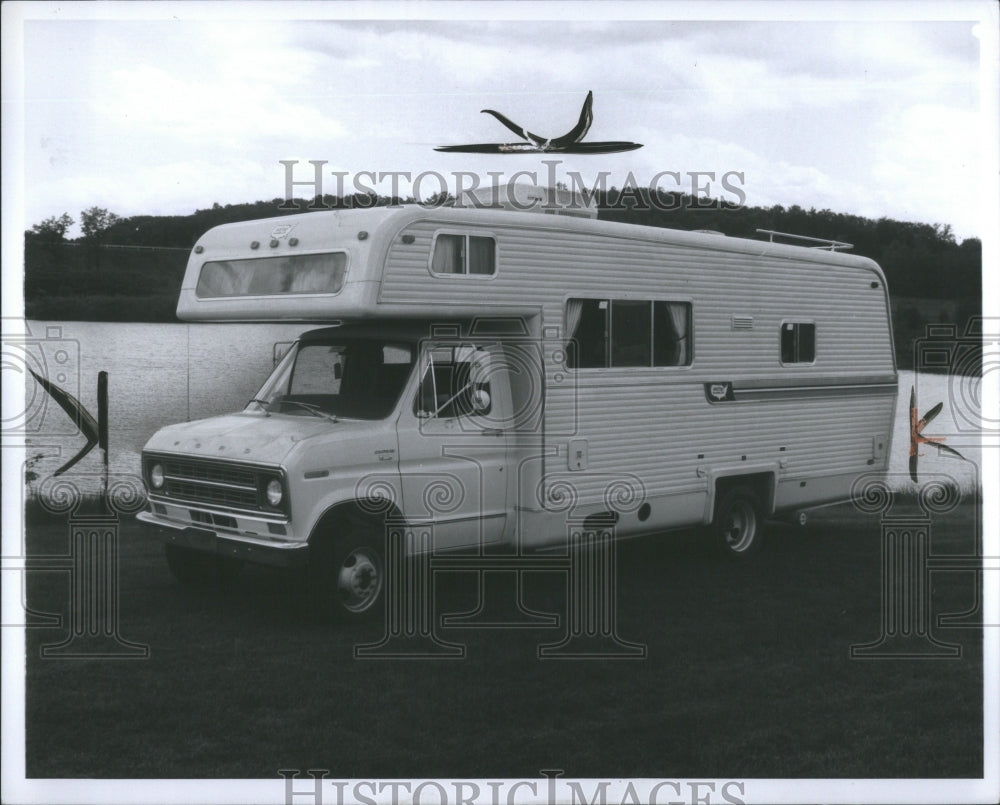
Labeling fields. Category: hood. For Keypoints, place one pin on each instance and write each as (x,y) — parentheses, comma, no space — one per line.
(250,436)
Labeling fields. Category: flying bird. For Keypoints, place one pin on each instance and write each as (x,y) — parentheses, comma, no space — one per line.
(917,425)
(569,143)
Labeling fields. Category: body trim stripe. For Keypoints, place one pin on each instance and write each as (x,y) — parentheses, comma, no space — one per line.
(798,388)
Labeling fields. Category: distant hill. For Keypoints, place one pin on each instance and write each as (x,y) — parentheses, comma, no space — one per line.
(136,273)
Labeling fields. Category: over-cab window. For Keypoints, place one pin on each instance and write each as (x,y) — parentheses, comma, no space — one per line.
(798,342)
(627,332)
(273,276)
(464,254)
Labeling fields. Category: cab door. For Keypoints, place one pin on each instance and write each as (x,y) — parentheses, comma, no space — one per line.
(453,445)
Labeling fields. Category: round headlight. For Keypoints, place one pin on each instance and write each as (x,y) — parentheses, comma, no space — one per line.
(274,492)
(156,476)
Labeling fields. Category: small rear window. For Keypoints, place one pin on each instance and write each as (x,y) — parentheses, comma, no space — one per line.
(273,276)
(798,342)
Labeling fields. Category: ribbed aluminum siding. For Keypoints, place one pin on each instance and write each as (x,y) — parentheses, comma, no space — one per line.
(655,422)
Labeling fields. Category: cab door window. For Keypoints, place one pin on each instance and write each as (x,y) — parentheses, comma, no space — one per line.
(454,383)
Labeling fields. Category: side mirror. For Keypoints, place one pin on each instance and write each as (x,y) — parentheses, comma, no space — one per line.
(480,399)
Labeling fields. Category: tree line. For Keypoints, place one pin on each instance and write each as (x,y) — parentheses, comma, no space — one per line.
(130,268)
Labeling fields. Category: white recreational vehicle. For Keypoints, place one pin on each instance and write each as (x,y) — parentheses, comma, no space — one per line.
(487,374)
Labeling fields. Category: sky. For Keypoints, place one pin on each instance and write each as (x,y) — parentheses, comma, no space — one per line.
(169,113)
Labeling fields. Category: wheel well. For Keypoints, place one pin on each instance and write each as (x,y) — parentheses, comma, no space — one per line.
(373,512)
(760,483)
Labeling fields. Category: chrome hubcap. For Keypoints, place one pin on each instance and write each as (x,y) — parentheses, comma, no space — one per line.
(359,581)
(741,526)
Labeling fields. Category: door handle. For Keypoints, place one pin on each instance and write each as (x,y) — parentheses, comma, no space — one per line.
(491,432)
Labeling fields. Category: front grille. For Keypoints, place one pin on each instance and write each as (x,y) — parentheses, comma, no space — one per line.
(218,495)
(221,473)
(217,484)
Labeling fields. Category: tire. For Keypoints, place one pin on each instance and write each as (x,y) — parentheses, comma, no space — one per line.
(199,568)
(347,573)
(737,524)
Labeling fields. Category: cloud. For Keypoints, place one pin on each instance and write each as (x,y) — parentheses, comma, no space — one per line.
(928,161)
(820,114)
(150,99)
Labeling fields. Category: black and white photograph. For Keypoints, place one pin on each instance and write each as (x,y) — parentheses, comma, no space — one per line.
(572,403)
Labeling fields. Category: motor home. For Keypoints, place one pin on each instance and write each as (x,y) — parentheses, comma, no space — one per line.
(490,375)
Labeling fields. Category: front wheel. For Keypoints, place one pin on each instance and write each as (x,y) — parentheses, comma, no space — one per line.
(737,523)
(347,573)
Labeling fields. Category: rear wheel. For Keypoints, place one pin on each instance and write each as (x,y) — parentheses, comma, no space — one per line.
(737,523)
(347,572)
(197,567)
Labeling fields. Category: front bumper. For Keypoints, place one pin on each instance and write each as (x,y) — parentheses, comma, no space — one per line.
(258,551)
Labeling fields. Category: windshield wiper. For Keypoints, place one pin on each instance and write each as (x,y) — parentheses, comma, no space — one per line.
(312,409)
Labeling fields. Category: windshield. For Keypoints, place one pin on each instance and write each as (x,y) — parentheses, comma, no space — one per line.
(353,378)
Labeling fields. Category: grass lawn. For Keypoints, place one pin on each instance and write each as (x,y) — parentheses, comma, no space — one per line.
(747,674)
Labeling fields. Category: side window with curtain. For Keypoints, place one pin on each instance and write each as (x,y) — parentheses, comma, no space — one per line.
(464,254)
(627,332)
(449,255)
(587,325)
(671,333)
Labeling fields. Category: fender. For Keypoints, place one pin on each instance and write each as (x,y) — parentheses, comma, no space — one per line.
(755,472)
(377,494)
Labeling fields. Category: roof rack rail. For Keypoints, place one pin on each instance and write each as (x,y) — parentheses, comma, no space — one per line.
(821,243)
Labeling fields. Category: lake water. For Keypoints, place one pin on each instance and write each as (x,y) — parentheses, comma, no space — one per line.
(158,374)
(165,373)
